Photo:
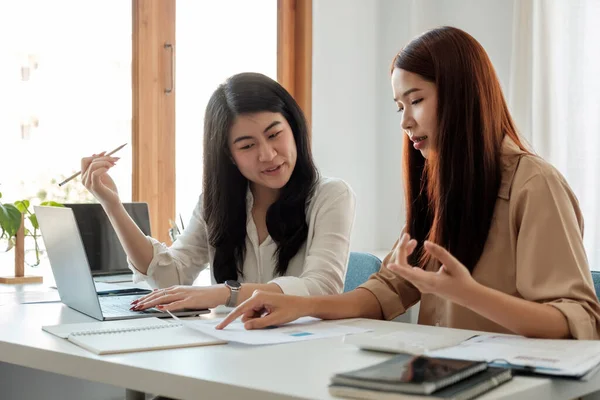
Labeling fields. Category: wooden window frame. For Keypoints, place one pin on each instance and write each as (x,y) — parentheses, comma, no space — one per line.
(154,92)
(153,120)
(294,50)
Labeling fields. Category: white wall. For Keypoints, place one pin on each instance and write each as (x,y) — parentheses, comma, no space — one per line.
(344,103)
(354,43)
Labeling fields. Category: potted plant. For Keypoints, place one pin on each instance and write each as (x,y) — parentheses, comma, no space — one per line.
(13,230)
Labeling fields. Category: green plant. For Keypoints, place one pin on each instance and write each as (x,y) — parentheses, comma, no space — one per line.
(10,222)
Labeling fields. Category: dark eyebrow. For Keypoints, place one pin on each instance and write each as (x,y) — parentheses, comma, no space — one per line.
(271,125)
(239,139)
(409,91)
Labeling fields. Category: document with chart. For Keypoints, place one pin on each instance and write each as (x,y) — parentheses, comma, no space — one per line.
(306,328)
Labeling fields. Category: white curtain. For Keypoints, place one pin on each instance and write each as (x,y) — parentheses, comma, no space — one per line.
(554,96)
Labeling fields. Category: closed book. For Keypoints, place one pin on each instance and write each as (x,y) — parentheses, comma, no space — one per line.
(466,389)
(131,336)
(407,373)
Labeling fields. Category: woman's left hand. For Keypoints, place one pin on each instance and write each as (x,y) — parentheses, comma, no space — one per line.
(452,281)
(179,297)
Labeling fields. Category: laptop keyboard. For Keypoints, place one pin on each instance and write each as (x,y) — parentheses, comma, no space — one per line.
(116,306)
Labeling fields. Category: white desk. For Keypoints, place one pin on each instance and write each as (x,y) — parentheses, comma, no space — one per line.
(291,371)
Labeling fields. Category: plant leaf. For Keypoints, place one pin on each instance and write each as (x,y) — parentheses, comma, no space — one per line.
(10,219)
(22,205)
(51,203)
(34,221)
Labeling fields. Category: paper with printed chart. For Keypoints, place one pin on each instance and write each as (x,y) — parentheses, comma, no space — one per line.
(573,358)
(306,328)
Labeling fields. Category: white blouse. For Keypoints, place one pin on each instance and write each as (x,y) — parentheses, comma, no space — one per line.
(318,268)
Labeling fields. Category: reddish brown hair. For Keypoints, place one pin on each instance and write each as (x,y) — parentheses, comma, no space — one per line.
(451,196)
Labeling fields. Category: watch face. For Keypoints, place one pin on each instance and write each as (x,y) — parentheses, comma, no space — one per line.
(233,284)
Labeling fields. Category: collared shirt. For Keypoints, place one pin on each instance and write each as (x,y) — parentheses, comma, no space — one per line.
(318,268)
(534,251)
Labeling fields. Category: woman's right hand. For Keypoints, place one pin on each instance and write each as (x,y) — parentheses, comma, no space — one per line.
(266,309)
(94,176)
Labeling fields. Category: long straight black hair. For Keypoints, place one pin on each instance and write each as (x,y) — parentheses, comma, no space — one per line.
(225,188)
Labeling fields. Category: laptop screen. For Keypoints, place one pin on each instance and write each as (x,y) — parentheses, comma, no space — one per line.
(103,249)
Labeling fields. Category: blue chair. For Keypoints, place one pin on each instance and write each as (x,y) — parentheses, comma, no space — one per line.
(596,278)
(360,267)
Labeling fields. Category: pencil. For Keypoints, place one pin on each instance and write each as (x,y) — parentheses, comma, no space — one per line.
(76,174)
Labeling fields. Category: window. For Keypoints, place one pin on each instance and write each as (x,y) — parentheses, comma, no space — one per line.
(81,77)
(66,93)
(215,39)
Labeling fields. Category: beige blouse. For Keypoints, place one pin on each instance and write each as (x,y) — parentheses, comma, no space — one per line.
(534,251)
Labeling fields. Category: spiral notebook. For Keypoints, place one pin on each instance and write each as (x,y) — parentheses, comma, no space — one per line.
(128,336)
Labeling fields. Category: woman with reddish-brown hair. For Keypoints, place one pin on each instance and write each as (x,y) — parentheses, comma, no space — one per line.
(493,239)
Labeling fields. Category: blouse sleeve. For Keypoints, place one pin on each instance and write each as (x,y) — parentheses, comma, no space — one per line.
(394,294)
(551,264)
(180,263)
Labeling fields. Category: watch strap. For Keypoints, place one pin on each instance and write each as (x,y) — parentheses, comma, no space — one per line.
(233,296)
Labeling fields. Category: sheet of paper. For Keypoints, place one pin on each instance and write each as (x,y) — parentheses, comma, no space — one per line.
(306,328)
(553,357)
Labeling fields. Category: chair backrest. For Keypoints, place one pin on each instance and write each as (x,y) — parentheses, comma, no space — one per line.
(596,278)
(360,267)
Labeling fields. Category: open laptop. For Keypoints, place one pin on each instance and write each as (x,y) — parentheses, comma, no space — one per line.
(73,277)
(105,254)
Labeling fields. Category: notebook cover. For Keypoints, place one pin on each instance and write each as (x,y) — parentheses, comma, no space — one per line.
(411,374)
(466,389)
(175,336)
(64,330)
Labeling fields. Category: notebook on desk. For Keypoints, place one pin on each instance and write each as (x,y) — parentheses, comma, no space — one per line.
(468,388)
(131,336)
(405,373)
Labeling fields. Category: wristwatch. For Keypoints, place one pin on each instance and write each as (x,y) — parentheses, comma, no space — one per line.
(234,290)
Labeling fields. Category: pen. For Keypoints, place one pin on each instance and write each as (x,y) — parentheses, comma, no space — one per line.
(76,174)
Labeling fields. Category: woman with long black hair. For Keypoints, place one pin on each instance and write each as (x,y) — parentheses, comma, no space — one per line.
(265,220)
